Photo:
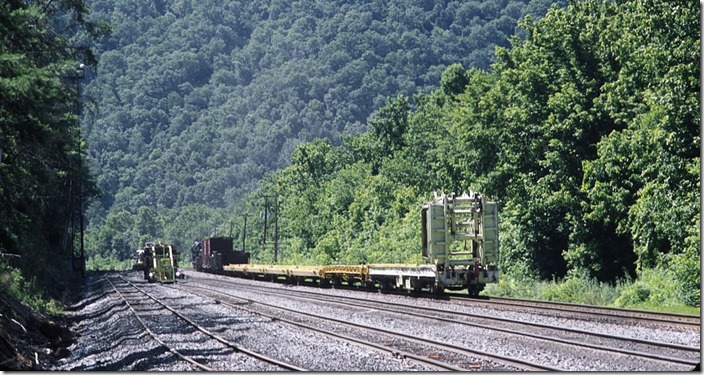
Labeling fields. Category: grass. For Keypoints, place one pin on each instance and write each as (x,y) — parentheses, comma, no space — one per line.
(27,291)
(98,263)
(653,291)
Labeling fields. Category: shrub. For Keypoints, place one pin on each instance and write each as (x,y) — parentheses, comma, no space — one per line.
(511,286)
(633,295)
(656,290)
(99,262)
(579,289)
(13,282)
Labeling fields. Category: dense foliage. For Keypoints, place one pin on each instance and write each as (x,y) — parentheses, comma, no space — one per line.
(39,135)
(194,101)
(586,132)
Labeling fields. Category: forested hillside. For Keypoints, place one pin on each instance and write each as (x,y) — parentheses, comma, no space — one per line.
(585,129)
(42,177)
(586,133)
(325,125)
(194,101)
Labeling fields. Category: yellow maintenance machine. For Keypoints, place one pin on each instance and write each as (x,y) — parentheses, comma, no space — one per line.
(160,262)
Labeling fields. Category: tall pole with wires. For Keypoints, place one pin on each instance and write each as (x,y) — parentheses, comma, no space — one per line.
(266,217)
(78,261)
(276,228)
(244,234)
(81,75)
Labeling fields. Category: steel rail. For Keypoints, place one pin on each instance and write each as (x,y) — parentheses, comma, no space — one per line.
(223,341)
(326,298)
(438,344)
(686,320)
(154,336)
(606,311)
(392,351)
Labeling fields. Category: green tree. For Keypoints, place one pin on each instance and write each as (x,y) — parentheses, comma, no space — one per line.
(454,80)
(207,102)
(390,124)
(39,133)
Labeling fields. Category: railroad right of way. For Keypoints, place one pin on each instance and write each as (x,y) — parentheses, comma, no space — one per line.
(110,337)
(214,322)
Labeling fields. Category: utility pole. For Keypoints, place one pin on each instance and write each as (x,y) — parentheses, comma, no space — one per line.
(276,222)
(266,213)
(78,262)
(276,228)
(81,75)
(244,233)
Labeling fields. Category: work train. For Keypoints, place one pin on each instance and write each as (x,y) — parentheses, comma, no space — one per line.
(159,262)
(460,247)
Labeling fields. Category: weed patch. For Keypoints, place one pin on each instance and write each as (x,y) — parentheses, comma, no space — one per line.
(14,283)
(654,290)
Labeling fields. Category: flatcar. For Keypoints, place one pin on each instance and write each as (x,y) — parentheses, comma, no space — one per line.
(460,247)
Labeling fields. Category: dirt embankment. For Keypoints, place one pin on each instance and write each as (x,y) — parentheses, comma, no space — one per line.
(30,340)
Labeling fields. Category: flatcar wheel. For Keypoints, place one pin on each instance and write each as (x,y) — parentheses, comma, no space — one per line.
(435,289)
(417,286)
(384,286)
(336,282)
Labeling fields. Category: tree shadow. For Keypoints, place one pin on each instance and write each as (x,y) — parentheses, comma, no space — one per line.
(137,356)
(104,313)
(85,301)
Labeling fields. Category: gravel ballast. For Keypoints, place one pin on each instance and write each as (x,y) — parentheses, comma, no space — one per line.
(108,337)
(566,357)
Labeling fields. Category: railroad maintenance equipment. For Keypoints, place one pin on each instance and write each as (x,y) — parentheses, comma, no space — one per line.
(461,239)
(138,263)
(161,262)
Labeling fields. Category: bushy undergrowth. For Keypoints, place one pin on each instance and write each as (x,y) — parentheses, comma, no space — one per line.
(27,291)
(654,290)
(107,264)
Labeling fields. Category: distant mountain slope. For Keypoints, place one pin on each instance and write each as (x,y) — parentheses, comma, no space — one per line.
(194,101)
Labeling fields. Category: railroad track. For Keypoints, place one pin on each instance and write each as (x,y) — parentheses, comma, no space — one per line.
(647,349)
(668,319)
(431,358)
(620,314)
(144,313)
